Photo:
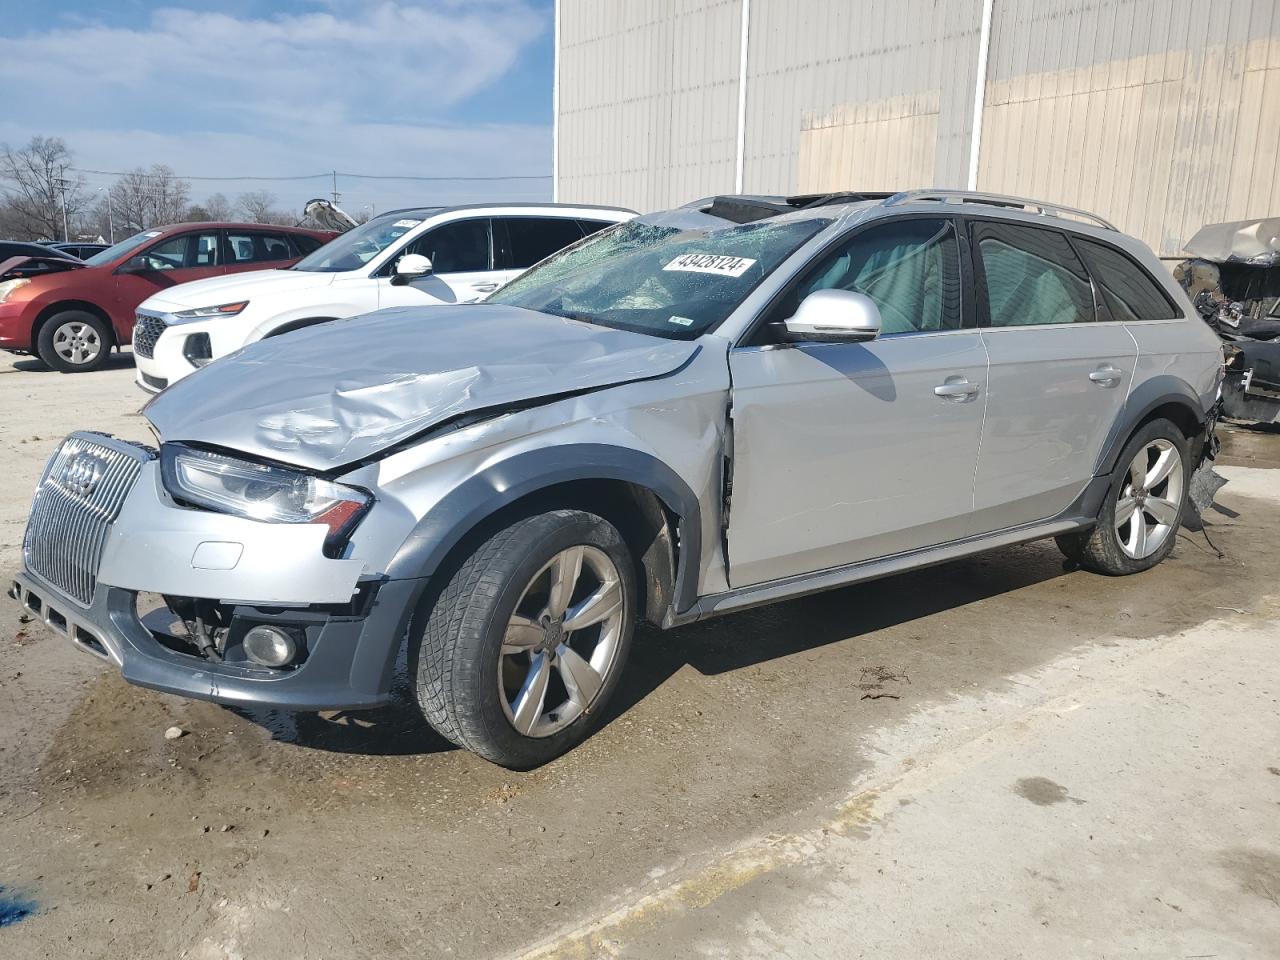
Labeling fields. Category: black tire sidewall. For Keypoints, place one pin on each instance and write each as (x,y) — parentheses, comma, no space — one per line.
(540,539)
(47,353)
(1116,561)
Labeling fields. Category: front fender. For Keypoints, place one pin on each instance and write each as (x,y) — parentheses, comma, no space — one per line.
(503,483)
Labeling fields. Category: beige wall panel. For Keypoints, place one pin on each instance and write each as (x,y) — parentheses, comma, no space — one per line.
(888,144)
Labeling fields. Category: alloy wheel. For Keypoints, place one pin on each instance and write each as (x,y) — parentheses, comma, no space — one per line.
(1150,499)
(560,646)
(77,342)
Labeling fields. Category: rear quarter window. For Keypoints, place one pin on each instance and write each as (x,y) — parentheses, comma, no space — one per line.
(1131,294)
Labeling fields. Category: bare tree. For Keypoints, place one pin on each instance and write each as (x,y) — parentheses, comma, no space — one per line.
(141,199)
(219,207)
(259,206)
(41,194)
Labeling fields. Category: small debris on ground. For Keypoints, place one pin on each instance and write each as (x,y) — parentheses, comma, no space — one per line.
(873,679)
(173,733)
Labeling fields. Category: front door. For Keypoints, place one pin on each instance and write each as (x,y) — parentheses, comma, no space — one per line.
(461,255)
(167,263)
(1058,376)
(847,451)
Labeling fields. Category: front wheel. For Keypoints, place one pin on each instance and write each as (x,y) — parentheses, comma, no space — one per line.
(525,644)
(74,341)
(1143,508)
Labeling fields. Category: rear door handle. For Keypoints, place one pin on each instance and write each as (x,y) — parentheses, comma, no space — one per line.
(956,388)
(485,287)
(1107,376)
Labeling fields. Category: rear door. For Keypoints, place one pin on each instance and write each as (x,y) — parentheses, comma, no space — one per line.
(461,255)
(1060,372)
(520,242)
(255,250)
(848,451)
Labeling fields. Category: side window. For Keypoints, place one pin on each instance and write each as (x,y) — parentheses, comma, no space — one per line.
(187,250)
(589,227)
(257,247)
(1032,276)
(458,247)
(910,268)
(530,239)
(1129,291)
(304,243)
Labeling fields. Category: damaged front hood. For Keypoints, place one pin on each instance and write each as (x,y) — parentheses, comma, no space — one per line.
(1255,242)
(331,395)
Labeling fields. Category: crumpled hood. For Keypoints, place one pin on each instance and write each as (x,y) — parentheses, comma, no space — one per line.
(1254,242)
(331,395)
(212,291)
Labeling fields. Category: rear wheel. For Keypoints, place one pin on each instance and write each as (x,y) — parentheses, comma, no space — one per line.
(524,645)
(1143,507)
(74,341)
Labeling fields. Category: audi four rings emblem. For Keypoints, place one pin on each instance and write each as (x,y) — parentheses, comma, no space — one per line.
(82,473)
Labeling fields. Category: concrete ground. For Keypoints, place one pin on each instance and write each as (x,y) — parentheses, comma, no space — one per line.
(994,758)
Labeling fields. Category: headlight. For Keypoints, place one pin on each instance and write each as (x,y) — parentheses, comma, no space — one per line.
(261,492)
(8,286)
(222,310)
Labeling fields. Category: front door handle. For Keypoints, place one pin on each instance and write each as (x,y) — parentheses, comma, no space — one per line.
(1106,376)
(956,388)
(485,287)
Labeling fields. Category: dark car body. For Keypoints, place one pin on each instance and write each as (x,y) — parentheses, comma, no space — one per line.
(112,283)
(36,259)
(78,249)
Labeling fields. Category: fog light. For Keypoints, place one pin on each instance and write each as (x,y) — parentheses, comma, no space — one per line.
(198,350)
(269,646)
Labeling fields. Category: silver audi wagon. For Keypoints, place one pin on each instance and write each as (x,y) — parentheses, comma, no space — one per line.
(737,401)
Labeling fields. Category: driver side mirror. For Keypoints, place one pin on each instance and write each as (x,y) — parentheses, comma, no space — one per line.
(840,316)
(410,267)
(136,264)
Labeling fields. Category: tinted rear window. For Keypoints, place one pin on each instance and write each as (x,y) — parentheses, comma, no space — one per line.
(1130,293)
(1032,277)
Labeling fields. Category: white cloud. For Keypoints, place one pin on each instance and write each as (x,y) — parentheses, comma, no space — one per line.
(376,87)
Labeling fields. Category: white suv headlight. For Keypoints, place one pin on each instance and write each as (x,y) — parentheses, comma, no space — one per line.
(222,310)
(261,492)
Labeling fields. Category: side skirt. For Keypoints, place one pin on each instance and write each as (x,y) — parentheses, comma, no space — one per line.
(789,588)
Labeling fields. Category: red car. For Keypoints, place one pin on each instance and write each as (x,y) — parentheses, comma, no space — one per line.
(73,315)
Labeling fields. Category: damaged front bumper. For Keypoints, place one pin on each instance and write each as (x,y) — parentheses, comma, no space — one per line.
(347,657)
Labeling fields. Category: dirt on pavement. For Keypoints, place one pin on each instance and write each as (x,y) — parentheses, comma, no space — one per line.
(266,834)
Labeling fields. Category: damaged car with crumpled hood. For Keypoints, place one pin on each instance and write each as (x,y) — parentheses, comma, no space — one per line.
(1233,279)
(738,401)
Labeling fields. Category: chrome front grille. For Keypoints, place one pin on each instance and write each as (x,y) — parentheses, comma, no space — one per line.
(146,331)
(79,497)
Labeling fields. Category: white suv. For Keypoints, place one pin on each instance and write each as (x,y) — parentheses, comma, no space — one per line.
(412,257)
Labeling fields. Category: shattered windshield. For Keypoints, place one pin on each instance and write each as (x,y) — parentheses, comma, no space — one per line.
(353,249)
(659,279)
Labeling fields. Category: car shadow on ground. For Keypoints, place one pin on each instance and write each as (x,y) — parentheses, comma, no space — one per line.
(117,361)
(712,647)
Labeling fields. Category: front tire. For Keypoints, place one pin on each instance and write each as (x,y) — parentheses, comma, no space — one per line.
(1143,508)
(525,643)
(74,341)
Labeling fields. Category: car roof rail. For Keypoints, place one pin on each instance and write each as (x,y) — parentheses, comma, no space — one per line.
(997,200)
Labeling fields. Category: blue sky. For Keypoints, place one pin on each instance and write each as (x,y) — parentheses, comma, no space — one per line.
(249,87)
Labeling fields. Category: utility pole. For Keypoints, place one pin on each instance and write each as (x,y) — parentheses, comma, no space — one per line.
(62,182)
(336,195)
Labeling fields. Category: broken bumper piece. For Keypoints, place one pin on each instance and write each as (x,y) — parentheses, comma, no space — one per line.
(346,655)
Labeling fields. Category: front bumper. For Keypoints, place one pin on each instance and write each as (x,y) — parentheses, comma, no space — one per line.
(350,664)
(166,364)
(15,327)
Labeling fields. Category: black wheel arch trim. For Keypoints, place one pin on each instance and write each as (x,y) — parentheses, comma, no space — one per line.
(502,484)
(1147,397)
(293,325)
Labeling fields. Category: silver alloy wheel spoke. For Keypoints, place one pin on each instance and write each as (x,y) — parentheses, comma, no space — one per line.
(1165,511)
(1124,510)
(580,678)
(564,577)
(1138,534)
(1161,468)
(527,707)
(522,634)
(600,605)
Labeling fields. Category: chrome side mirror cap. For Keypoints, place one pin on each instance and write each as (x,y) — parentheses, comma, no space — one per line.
(412,266)
(834,315)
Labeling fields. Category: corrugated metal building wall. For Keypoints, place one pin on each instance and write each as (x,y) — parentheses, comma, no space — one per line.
(1161,115)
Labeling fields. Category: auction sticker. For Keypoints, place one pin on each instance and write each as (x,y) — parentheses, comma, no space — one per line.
(711,263)
(406,223)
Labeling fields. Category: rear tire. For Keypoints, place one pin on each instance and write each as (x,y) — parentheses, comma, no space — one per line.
(499,667)
(1143,507)
(74,341)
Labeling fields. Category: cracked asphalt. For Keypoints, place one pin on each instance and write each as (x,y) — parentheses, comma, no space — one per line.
(995,757)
